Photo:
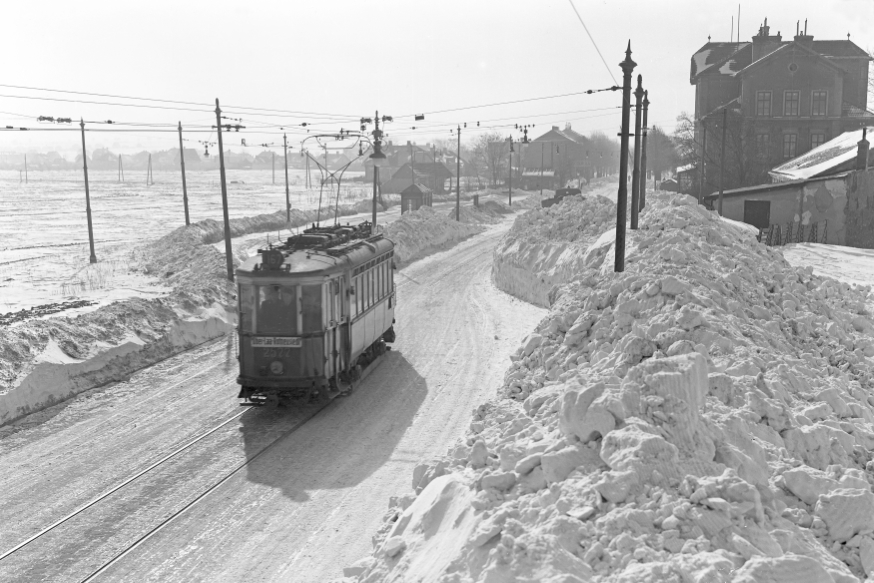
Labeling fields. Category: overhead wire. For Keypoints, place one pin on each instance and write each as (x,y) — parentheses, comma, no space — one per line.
(593,42)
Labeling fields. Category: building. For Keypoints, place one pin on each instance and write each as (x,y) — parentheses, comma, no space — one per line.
(785,98)
(414,197)
(563,155)
(836,208)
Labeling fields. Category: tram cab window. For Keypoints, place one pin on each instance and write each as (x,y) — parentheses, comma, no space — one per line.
(311,307)
(246,296)
(276,313)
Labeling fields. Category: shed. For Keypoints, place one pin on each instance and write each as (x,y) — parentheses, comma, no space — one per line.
(414,197)
(669,185)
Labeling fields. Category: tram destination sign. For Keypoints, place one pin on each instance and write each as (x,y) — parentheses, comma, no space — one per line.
(277,341)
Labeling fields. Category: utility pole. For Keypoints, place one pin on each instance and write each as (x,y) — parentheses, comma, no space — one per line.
(635,172)
(433,169)
(227,222)
(722,159)
(412,166)
(510,176)
(93,258)
(622,198)
(120,170)
(643,151)
(25,168)
(184,185)
(377,145)
(541,169)
(458,178)
(701,169)
(273,166)
(287,197)
(149,179)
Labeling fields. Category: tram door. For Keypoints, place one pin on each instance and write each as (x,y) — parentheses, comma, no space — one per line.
(333,318)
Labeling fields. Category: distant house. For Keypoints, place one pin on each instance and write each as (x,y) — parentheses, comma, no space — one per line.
(564,153)
(686,178)
(433,174)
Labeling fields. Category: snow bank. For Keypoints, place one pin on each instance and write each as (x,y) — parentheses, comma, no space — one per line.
(707,415)
(424,231)
(547,246)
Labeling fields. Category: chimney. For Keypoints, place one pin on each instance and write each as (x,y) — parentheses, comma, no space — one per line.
(862,156)
(763,43)
(803,38)
(555,128)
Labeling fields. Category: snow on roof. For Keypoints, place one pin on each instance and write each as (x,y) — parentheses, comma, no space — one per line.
(731,58)
(822,158)
(685,168)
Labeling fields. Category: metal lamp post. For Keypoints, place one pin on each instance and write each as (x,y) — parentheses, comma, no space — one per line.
(378,159)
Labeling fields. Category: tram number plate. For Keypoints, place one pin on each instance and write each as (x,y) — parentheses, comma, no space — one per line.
(276,342)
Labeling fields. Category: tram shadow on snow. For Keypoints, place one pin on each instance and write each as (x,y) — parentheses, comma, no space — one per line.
(338,447)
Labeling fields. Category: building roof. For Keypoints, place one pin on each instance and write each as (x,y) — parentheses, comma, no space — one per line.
(765,188)
(416,188)
(789,48)
(822,160)
(840,48)
(726,58)
(685,168)
(567,134)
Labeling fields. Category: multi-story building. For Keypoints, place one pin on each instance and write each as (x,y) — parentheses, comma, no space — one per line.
(785,97)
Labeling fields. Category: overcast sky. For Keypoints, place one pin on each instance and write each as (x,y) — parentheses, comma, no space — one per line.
(335,61)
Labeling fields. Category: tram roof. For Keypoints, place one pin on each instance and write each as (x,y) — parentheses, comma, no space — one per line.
(322,262)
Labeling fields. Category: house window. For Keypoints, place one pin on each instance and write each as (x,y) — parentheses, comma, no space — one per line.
(763,103)
(790,142)
(818,103)
(816,140)
(763,145)
(790,103)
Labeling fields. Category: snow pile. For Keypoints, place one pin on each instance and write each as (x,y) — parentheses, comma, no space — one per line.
(489,211)
(425,231)
(546,246)
(705,416)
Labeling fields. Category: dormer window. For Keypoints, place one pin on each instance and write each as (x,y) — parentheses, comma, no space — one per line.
(790,103)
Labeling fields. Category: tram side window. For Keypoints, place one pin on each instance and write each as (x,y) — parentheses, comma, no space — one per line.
(311,307)
(247,307)
(276,310)
(372,273)
(354,298)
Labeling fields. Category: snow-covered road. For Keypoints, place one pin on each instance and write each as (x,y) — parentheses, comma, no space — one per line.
(305,508)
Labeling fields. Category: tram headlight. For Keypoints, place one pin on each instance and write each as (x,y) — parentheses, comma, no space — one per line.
(276,367)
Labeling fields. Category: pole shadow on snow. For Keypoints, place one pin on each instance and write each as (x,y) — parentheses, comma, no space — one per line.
(344,443)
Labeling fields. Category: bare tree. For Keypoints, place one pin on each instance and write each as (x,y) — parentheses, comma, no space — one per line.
(490,153)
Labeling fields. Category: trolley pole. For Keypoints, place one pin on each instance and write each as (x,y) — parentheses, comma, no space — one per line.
(458,179)
(643,151)
(722,159)
(184,185)
(228,253)
(635,172)
(93,258)
(622,198)
(287,197)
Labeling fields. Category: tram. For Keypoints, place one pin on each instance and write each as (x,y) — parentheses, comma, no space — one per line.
(314,313)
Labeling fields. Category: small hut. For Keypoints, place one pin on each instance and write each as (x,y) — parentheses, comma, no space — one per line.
(414,197)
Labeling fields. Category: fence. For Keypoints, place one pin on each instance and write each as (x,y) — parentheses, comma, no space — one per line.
(795,232)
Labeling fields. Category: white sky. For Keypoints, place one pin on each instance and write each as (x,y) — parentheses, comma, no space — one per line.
(350,57)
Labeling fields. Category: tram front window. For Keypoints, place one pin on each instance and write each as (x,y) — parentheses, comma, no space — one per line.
(276,310)
(311,306)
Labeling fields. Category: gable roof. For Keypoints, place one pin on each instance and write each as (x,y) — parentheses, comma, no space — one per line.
(840,48)
(714,56)
(825,159)
(567,135)
(786,50)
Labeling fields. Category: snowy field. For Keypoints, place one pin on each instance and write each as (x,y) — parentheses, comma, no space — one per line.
(44,256)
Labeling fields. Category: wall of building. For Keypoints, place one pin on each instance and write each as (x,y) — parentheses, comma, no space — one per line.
(860,209)
(815,202)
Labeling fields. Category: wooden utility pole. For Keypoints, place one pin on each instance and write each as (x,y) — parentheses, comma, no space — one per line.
(510,176)
(458,179)
(622,197)
(541,169)
(287,197)
(149,179)
(120,170)
(701,169)
(412,166)
(227,222)
(644,127)
(722,159)
(184,185)
(635,172)
(93,258)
